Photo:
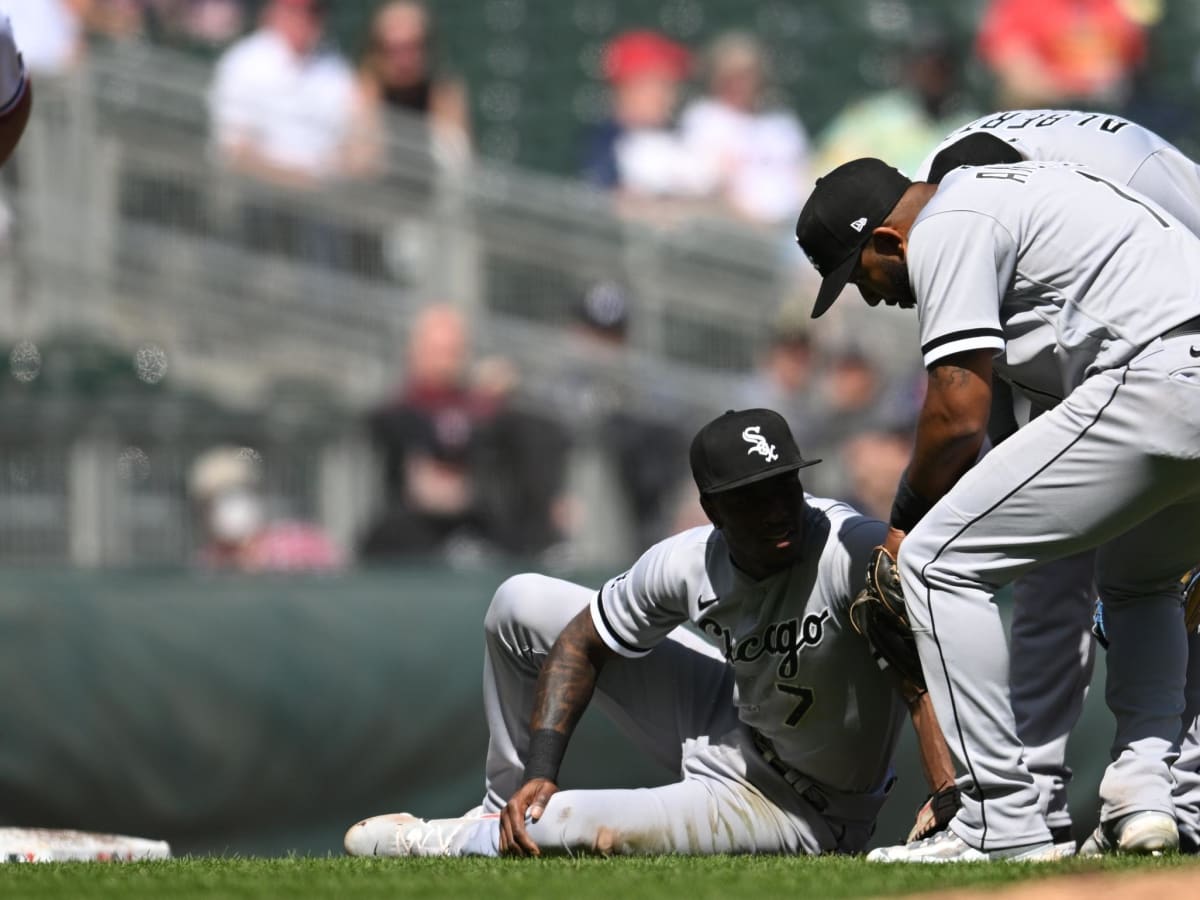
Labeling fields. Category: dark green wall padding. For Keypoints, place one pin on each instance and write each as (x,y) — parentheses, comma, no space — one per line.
(265,715)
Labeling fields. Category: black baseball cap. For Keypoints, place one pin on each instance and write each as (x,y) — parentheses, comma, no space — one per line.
(844,208)
(742,447)
(978,149)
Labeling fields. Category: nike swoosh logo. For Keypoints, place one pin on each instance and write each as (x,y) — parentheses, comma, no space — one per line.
(1194,352)
(702,605)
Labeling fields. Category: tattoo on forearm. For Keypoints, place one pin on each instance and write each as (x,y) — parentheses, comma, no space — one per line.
(948,376)
(566,683)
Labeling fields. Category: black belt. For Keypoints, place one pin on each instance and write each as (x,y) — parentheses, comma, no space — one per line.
(855,807)
(797,780)
(1191,326)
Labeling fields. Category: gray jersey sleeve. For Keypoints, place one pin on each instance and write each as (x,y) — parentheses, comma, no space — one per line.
(638,608)
(848,558)
(960,264)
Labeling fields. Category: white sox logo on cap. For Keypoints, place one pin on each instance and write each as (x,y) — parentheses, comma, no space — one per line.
(759,445)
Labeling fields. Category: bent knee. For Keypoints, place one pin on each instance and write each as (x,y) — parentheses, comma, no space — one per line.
(513,602)
(535,604)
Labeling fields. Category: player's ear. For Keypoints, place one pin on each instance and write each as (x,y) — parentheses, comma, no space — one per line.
(709,508)
(887,241)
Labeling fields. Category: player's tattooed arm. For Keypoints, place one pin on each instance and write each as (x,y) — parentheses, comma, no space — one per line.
(953,422)
(568,676)
(564,689)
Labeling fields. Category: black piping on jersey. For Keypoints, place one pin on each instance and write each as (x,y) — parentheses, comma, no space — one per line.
(960,336)
(942,549)
(1120,193)
(632,648)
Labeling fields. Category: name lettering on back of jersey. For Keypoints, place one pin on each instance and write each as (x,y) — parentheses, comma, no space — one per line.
(1018,120)
(783,639)
(1002,173)
(758,443)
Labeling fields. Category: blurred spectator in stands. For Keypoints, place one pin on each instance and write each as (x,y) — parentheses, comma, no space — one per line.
(425,438)
(1061,52)
(642,437)
(281,104)
(855,398)
(903,124)
(520,469)
(758,151)
(198,25)
(873,461)
(117,20)
(784,379)
(224,483)
(466,474)
(50,32)
(398,75)
(637,152)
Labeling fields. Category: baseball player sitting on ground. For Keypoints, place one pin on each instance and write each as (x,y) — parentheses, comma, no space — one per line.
(1081,290)
(780,719)
(1048,683)
(16,96)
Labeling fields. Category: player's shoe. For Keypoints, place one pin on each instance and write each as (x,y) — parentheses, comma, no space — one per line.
(1150,832)
(948,847)
(403,834)
(1064,844)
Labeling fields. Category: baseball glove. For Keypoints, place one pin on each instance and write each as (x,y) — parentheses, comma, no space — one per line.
(935,814)
(879,614)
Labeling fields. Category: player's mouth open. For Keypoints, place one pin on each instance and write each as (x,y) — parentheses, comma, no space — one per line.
(782,540)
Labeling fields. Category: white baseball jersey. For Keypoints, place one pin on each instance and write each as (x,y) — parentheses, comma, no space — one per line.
(1116,148)
(1050,265)
(805,679)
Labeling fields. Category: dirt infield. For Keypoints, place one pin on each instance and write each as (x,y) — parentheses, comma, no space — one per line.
(1108,885)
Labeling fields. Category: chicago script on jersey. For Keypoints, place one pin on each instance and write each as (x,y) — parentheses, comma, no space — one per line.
(783,639)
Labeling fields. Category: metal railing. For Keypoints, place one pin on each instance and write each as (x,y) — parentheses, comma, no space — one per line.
(131,232)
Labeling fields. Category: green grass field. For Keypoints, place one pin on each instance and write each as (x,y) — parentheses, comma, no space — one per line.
(691,878)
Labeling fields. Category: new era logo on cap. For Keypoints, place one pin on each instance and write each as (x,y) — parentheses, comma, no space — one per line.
(742,447)
(861,193)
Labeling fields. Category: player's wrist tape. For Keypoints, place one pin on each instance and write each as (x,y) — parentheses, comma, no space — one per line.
(909,507)
(547,748)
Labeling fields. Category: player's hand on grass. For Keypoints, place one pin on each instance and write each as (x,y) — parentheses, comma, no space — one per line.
(530,799)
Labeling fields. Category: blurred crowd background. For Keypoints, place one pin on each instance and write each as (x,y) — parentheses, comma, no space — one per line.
(302,285)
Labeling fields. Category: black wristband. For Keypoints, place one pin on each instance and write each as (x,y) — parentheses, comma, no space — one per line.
(909,507)
(547,748)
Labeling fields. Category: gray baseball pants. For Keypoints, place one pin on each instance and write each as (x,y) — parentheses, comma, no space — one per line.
(1053,652)
(677,705)
(1115,466)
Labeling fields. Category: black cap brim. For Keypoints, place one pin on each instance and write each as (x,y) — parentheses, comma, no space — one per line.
(835,282)
(762,476)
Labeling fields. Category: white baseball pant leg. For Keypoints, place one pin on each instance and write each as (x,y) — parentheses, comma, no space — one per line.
(1053,652)
(677,704)
(1115,466)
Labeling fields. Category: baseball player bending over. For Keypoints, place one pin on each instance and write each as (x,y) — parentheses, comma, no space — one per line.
(1078,289)
(16,96)
(1052,654)
(773,709)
